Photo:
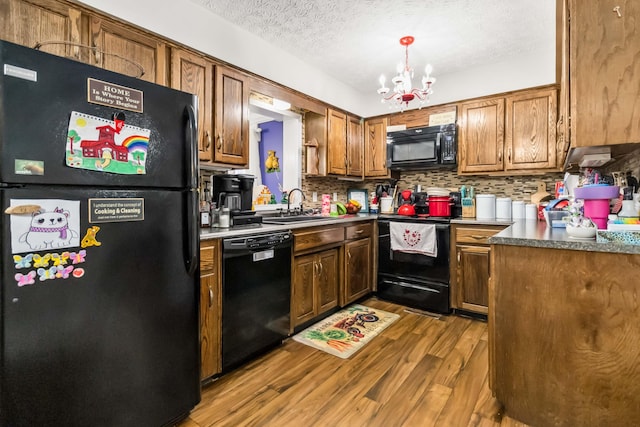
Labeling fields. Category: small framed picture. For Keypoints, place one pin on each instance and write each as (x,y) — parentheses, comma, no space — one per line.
(359,195)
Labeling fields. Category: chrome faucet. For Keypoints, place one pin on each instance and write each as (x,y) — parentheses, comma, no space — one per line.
(289,200)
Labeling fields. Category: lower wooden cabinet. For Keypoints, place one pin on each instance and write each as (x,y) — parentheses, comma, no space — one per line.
(210,309)
(470,267)
(357,262)
(315,285)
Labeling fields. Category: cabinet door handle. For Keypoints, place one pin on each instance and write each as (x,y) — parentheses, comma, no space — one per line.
(477,237)
(359,231)
(208,140)
(219,143)
(348,256)
(509,155)
(617,10)
(500,155)
(458,257)
(210,297)
(321,268)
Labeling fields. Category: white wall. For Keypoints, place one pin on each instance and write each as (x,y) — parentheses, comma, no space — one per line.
(195,26)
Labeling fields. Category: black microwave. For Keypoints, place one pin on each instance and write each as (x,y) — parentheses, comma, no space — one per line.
(422,148)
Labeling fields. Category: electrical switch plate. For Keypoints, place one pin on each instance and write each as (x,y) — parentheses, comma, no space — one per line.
(335,197)
(314,196)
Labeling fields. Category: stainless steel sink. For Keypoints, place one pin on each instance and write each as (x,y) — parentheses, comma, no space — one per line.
(290,219)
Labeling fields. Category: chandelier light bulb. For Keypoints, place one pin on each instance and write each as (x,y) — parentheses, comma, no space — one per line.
(382,80)
(428,69)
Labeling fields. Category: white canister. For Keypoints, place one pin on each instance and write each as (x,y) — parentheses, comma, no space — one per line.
(531,211)
(386,204)
(503,208)
(485,206)
(517,209)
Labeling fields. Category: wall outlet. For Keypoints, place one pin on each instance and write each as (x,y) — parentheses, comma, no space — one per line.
(335,197)
(314,196)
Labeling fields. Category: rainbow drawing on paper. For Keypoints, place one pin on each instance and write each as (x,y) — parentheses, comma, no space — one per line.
(106,145)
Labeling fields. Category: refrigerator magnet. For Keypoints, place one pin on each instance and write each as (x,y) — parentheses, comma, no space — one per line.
(89,239)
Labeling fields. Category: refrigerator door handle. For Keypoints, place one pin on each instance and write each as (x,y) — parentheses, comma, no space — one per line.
(191,137)
(192,215)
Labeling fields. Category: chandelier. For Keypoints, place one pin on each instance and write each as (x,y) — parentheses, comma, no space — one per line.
(403,90)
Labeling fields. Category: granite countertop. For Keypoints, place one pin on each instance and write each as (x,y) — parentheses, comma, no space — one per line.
(245,230)
(537,234)
(517,233)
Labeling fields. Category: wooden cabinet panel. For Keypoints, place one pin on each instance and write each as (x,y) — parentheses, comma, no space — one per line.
(357,281)
(127,52)
(210,309)
(473,277)
(31,22)
(358,231)
(482,136)
(328,280)
(231,125)
(315,285)
(531,130)
(470,255)
(355,145)
(314,238)
(194,74)
(375,147)
(604,68)
(337,142)
(302,298)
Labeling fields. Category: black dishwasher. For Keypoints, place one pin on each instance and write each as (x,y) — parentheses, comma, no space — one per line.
(256,295)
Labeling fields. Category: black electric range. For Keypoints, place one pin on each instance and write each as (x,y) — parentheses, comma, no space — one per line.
(412,279)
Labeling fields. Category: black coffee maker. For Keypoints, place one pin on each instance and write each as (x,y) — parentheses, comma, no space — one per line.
(234,192)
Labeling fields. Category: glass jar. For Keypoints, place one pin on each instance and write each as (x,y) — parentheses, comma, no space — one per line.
(224,218)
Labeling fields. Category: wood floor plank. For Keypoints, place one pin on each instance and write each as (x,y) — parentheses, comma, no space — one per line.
(458,410)
(431,405)
(393,381)
(455,361)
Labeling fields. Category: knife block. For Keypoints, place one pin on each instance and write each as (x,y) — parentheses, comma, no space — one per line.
(468,208)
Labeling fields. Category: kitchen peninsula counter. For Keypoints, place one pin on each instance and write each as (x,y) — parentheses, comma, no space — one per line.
(564,348)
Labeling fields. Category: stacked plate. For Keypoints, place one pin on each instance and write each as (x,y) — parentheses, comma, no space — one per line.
(436,191)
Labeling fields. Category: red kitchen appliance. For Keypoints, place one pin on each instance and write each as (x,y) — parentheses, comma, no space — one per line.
(407,208)
(440,205)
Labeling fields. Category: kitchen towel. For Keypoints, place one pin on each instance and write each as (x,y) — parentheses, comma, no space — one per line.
(414,238)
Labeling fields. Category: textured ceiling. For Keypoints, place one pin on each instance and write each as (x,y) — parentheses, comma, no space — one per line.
(357,40)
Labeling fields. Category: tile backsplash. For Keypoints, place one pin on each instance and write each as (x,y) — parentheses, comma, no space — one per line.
(515,187)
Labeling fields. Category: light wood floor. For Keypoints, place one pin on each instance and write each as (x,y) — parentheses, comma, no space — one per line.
(420,371)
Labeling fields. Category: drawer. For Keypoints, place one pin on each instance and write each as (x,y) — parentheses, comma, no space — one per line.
(476,234)
(358,231)
(207,256)
(317,237)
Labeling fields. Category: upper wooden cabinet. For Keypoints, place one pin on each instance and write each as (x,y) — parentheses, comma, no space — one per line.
(336,144)
(194,74)
(355,145)
(231,114)
(509,133)
(530,138)
(125,51)
(375,147)
(223,102)
(481,136)
(31,22)
(601,40)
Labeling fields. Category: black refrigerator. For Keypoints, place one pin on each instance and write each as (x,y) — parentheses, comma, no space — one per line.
(100,240)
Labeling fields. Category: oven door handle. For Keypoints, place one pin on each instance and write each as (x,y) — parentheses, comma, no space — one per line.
(413,286)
